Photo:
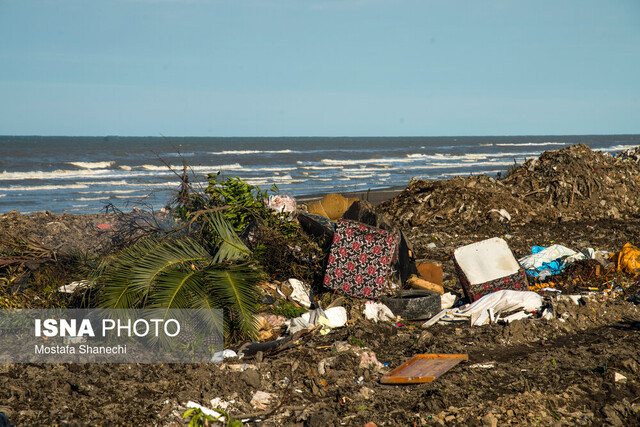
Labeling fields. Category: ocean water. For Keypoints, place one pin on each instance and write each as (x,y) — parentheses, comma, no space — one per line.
(84,174)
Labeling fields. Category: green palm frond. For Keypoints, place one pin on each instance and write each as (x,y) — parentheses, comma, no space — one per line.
(118,291)
(235,288)
(231,247)
(163,259)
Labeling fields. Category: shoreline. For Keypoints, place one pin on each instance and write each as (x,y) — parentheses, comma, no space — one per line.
(375,197)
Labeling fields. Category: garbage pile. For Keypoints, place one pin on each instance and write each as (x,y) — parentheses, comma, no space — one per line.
(569,184)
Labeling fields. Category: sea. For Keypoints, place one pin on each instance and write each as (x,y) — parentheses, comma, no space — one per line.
(87,174)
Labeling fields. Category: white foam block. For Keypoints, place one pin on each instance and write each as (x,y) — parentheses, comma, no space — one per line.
(487,260)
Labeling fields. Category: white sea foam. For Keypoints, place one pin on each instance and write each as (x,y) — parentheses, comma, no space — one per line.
(528,144)
(125,167)
(621,147)
(88,183)
(88,199)
(92,165)
(163,168)
(273,169)
(366,161)
(111,191)
(241,152)
(305,165)
(2,195)
(42,187)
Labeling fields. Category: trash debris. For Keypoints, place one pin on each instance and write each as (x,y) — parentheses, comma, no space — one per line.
(486,267)
(491,307)
(359,260)
(619,377)
(71,287)
(207,411)
(423,368)
(430,271)
(297,291)
(262,399)
(415,282)
(447,300)
(363,212)
(4,421)
(330,318)
(554,258)
(499,215)
(331,206)
(628,259)
(317,226)
(368,360)
(104,227)
(219,356)
(377,312)
(414,304)
(282,204)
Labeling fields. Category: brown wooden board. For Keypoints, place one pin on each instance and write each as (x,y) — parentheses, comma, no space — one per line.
(423,368)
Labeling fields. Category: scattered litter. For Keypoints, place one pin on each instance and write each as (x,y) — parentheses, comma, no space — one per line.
(368,360)
(219,356)
(488,266)
(490,308)
(430,271)
(360,259)
(447,300)
(241,367)
(104,227)
(330,318)
(500,214)
(423,368)
(482,366)
(331,206)
(377,312)
(416,282)
(71,287)
(619,377)
(218,403)
(261,400)
(297,291)
(555,258)
(628,259)
(282,204)
(414,304)
(207,411)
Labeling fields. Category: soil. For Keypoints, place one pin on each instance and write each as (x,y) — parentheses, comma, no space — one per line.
(563,371)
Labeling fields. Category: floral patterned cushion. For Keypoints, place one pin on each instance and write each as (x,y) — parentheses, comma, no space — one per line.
(360,259)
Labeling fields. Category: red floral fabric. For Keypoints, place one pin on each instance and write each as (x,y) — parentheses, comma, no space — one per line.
(360,259)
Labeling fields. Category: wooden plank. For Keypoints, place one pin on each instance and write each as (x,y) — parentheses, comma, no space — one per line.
(423,368)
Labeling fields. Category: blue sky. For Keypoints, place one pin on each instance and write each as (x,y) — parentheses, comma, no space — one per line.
(319,67)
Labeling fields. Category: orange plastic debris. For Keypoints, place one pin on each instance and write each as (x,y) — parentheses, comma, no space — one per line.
(423,368)
(628,259)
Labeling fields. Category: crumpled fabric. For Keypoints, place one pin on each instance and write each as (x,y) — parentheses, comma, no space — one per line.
(554,258)
(628,259)
(505,301)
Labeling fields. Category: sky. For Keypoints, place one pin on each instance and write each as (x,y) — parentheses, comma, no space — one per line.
(319,67)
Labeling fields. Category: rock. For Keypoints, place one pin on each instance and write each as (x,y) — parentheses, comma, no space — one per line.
(251,378)
(490,420)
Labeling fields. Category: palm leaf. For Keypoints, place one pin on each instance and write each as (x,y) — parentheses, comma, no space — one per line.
(164,258)
(231,247)
(118,291)
(235,288)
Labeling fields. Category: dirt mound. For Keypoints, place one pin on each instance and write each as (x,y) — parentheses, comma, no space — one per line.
(569,184)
